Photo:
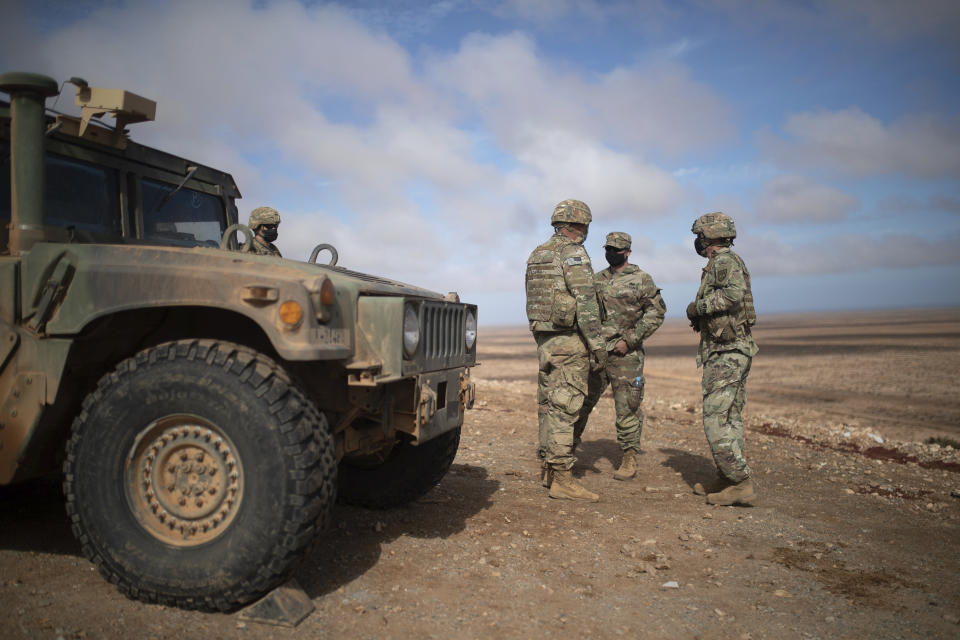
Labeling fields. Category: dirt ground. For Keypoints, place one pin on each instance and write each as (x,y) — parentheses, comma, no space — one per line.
(855,535)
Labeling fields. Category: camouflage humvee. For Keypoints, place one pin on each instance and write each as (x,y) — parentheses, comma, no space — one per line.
(207,405)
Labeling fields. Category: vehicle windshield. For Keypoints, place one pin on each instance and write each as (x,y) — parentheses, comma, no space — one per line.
(186,216)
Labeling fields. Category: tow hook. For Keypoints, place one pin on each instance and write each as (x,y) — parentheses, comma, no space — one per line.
(468,390)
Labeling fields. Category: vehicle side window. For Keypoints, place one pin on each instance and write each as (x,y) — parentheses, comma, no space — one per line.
(82,195)
(182,216)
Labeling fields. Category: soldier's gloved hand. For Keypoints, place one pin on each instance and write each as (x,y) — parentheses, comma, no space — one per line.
(598,361)
(692,311)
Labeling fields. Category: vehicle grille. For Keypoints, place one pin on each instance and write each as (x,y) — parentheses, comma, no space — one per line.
(442,326)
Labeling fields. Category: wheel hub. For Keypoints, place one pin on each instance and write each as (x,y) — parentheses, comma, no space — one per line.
(185,480)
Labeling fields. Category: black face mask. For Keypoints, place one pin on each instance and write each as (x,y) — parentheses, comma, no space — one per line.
(700,247)
(614,257)
(269,234)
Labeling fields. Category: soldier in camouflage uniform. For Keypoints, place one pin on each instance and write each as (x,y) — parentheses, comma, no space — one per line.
(564,317)
(264,222)
(634,310)
(723,314)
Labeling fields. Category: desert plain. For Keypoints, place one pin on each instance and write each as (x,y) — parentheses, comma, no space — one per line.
(850,419)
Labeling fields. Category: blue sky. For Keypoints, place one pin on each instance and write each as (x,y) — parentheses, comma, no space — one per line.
(429,141)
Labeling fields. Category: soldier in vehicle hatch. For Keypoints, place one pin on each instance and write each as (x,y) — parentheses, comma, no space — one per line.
(634,310)
(723,314)
(564,317)
(263,223)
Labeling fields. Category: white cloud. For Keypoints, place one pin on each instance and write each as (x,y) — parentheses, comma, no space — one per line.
(681,47)
(894,19)
(612,183)
(769,255)
(544,11)
(855,143)
(793,198)
(652,107)
(284,90)
(904,204)
(441,168)
(876,20)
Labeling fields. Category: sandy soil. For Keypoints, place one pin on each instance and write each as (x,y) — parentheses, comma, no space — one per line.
(855,534)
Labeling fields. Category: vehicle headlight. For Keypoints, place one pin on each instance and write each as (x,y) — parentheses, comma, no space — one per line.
(470,330)
(411,332)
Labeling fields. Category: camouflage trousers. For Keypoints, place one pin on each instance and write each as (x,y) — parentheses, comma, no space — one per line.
(724,395)
(562,387)
(625,375)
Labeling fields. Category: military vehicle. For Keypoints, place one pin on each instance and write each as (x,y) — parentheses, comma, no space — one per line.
(206,406)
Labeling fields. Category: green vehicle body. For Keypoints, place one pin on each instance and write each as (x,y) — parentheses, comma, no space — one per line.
(102,264)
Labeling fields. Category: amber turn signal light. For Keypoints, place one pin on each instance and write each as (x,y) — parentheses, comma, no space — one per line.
(327,292)
(291,313)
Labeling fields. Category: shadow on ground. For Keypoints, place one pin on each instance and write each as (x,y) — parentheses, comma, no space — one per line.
(592,451)
(354,543)
(692,468)
(33,518)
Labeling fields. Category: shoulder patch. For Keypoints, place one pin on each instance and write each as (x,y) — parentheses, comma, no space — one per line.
(574,260)
(722,272)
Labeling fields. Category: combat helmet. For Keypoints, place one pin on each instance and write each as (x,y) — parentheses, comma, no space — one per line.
(571,211)
(263,215)
(714,226)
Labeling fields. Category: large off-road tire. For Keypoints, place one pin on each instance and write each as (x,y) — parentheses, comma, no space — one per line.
(408,473)
(197,473)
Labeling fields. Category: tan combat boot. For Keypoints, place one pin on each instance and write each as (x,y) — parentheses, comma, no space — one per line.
(628,467)
(546,474)
(716,485)
(565,487)
(740,493)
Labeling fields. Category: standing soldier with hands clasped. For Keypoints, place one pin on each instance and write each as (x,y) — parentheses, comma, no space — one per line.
(564,317)
(634,310)
(723,314)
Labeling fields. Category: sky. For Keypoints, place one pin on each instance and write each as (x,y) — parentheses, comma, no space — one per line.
(430,140)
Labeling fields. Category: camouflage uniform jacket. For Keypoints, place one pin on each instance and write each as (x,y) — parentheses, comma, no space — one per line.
(633,306)
(725,306)
(560,290)
(264,248)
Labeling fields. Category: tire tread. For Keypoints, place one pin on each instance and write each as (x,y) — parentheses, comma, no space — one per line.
(308,445)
